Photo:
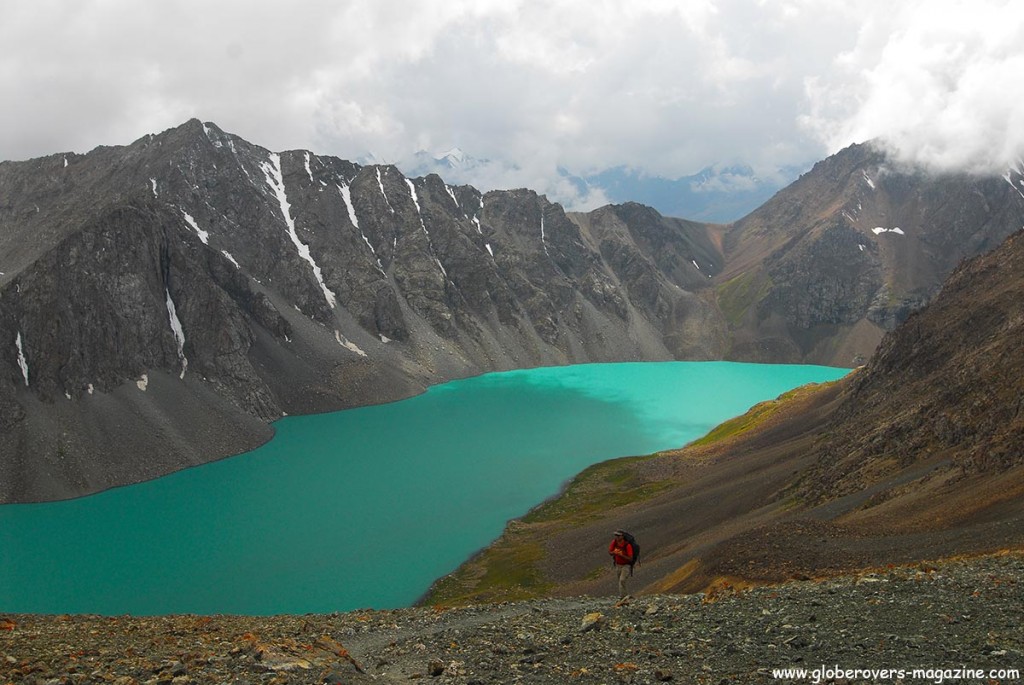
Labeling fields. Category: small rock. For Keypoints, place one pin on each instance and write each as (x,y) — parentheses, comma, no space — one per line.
(435,668)
(591,621)
(797,642)
(282,663)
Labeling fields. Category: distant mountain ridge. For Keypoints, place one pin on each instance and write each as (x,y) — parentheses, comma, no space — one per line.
(161,302)
(716,194)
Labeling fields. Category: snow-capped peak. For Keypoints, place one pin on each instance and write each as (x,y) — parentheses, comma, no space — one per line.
(454,157)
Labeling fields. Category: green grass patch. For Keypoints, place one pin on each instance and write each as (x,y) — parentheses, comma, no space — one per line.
(756,415)
(506,571)
(597,488)
(737,295)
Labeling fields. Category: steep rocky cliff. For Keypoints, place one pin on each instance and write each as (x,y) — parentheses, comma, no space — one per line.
(944,391)
(161,302)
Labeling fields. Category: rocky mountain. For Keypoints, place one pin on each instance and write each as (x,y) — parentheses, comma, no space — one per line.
(944,392)
(831,263)
(919,455)
(164,300)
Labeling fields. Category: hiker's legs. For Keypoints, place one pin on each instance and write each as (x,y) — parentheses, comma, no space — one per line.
(623,573)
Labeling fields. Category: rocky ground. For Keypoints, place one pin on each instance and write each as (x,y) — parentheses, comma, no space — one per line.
(938,617)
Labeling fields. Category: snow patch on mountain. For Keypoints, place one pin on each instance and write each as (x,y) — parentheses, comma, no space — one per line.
(309,171)
(22,362)
(203,235)
(348,344)
(230,258)
(346,196)
(272,170)
(380,184)
(178,331)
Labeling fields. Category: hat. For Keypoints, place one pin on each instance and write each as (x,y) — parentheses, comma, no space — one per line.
(619,532)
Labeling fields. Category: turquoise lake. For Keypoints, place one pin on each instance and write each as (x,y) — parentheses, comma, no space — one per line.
(365,507)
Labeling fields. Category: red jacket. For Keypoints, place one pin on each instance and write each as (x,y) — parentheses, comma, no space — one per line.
(625,547)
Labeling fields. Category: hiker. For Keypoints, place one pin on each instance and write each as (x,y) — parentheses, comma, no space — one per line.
(622,554)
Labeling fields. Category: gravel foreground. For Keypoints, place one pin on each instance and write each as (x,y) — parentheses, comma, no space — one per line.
(956,621)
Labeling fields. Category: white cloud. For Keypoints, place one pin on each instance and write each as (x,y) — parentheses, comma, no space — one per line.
(658,85)
(938,82)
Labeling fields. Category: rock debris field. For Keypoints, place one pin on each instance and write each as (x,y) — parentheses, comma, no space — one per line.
(955,621)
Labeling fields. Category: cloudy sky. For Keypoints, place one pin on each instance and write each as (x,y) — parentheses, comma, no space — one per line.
(664,87)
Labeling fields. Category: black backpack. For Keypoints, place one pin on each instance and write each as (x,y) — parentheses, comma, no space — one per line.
(628,537)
